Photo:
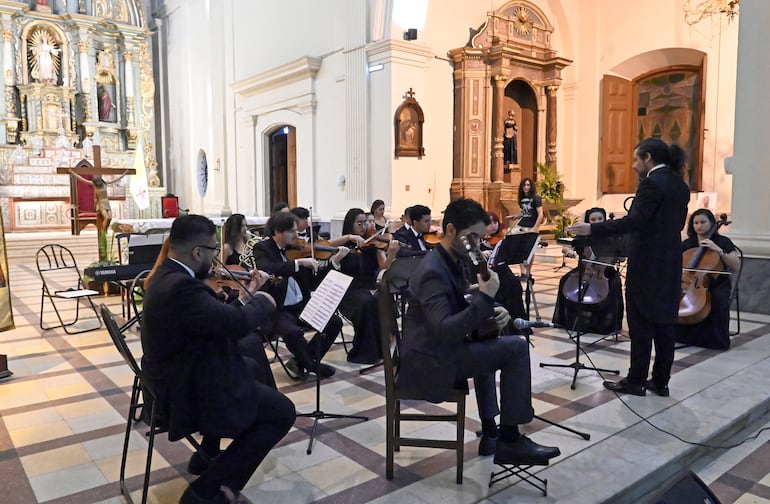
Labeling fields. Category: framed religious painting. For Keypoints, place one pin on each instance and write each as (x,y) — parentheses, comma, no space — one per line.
(408,123)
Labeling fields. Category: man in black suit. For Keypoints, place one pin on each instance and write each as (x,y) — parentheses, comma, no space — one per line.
(448,339)
(411,233)
(653,280)
(204,382)
(301,276)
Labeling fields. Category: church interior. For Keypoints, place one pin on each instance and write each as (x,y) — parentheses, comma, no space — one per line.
(166,107)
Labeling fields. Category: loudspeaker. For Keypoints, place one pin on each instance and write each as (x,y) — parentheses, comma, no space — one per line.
(687,488)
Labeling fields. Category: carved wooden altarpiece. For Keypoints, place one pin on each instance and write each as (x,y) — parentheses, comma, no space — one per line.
(508,65)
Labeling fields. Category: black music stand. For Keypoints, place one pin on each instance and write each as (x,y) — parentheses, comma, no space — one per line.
(318,413)
(515,249)
(602,248)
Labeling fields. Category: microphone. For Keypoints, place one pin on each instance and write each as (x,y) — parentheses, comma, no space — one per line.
(528,324)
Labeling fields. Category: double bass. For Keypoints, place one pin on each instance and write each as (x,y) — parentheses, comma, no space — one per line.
(699,267)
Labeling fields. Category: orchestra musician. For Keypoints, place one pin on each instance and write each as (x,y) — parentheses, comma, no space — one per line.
(653,279)
(600,316)
(713,332)
(302,275)
(205,384)
(234,238)
(412,232)
(450,339)
(359,305)
(378,211)
(303,224)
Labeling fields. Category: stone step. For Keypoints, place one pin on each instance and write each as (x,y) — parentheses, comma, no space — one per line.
(21,247)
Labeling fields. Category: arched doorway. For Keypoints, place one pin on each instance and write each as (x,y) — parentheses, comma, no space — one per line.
(282,176)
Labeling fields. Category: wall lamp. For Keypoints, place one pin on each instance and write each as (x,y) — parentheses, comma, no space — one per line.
(410,34)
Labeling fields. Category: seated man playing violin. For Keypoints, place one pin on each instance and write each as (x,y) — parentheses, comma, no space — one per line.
(412,234)
(454,335)
(301,276)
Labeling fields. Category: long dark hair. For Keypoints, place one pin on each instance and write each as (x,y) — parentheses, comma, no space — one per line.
(701,211)
(376,204)
(232,228)
(661,152)
(500,230)
(595,210)
(531,192)
(350,218)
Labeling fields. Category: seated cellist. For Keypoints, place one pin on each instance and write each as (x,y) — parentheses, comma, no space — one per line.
(713,331)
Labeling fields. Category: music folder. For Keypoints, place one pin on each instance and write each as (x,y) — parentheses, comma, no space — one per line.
(515,248)
(325,299)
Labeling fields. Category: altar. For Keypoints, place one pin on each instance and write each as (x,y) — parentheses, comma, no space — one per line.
(148,226)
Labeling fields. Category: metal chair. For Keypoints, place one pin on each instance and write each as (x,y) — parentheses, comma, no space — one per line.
(142,396)
(62,282)
(394,394)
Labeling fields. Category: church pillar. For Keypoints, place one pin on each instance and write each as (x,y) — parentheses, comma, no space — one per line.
(751,177)
(11,115)
(356,98)
(550,126)
(498,117)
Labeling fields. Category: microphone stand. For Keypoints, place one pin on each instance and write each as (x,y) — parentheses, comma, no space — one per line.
(577,330)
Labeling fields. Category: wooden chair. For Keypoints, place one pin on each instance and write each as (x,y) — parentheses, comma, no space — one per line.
(394,394)
(83,204)
(142,396)
(62,282)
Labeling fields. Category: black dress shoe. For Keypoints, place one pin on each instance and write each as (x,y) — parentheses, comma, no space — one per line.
(190,497)
(624,386)
(524,451)
(487,445)
(662,391)
(324,370)
(295,370)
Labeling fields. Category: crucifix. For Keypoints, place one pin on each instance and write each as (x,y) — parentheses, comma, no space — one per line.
(101,198)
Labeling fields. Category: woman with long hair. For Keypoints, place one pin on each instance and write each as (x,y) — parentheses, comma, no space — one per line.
(235,236)
(359,305)
(378,210)
(531,206)
(713,331)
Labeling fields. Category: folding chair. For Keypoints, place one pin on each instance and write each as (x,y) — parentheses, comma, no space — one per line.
(62,281)
(394,394)
(734,294)
(142,395)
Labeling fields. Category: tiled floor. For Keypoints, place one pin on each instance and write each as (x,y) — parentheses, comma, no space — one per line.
(62,421)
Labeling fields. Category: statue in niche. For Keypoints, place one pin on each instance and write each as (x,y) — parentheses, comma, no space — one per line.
(510,140)
(105,104)
(45,57)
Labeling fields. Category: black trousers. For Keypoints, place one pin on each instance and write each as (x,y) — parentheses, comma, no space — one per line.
(644,332)
(234,466)
(286,323)
(361,307)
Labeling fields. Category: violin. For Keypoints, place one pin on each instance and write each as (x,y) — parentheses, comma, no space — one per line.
(301,249)
(226,281)
(432,238)
(695,303)
(381,241)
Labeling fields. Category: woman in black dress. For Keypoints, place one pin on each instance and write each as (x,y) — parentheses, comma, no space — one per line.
(235,234)
(713,331)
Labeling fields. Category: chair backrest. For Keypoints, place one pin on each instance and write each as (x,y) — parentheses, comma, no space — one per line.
(736,278)
(118,340)
(136,292)
(84,195)
(55,258)
(389,333)
(170,206)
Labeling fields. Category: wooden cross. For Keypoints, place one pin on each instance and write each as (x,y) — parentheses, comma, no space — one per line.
(85,168)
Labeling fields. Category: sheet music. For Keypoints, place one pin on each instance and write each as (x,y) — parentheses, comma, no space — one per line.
(325,300)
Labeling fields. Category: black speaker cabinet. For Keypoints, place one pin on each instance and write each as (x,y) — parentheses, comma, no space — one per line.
(687,488)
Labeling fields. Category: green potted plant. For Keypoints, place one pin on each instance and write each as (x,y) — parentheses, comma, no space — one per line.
(106,258)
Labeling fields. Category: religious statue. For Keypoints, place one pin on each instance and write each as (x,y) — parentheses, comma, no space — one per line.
(105,103)
(46,62)
(101,200)
(510,140)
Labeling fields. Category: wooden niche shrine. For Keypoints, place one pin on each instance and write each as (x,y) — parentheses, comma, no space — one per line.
(408,128)
(506,80)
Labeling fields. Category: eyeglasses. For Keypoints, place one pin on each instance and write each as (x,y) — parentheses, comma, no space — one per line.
(217,248)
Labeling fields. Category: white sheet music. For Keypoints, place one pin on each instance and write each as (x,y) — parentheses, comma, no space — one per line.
(325,300)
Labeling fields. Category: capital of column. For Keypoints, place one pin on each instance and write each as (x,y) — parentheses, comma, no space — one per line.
(500,80)
(83,46)
(7,36)
(551,90)
(129,56)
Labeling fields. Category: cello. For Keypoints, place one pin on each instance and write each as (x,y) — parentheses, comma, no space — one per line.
(699,266)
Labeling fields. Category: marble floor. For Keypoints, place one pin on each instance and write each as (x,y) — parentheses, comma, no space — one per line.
(62,418)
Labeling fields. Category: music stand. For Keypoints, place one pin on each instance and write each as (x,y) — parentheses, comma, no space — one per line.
(515,249)
(317,313)
(603,248)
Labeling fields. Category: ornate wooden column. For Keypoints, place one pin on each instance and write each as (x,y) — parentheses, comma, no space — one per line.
(498,95)
(550,125)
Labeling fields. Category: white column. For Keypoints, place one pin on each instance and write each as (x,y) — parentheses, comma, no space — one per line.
(356,91)
(751,175)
